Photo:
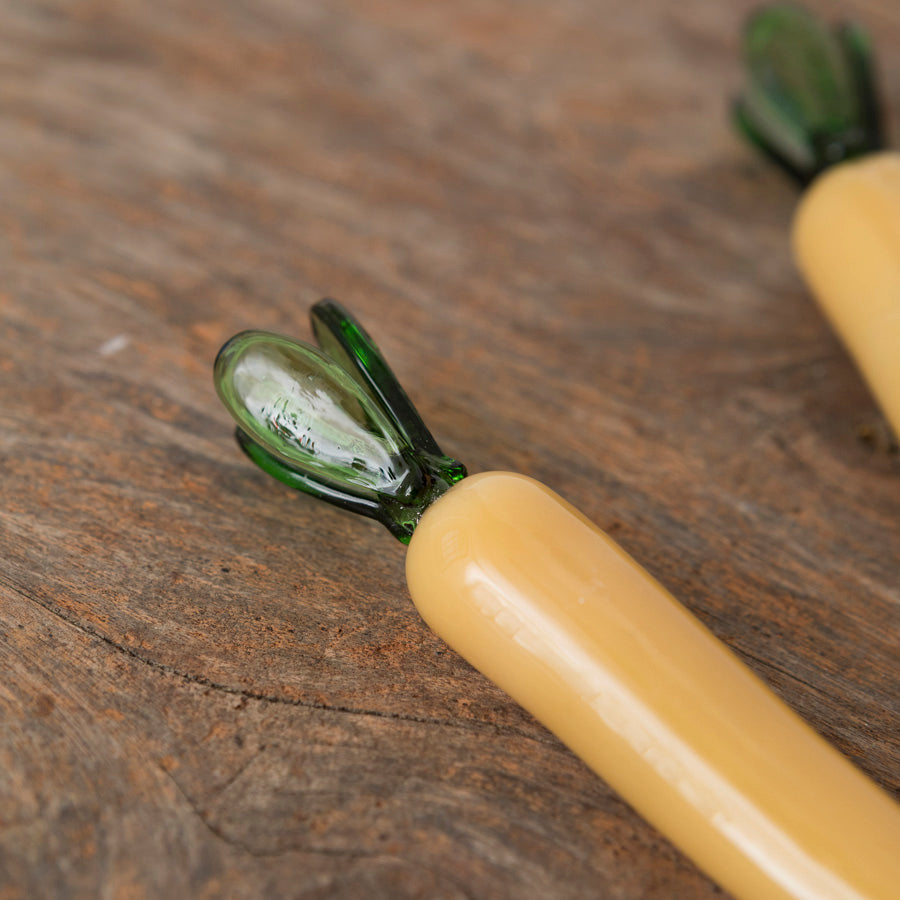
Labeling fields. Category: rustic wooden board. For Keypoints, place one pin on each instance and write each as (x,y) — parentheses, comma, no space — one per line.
(214,687)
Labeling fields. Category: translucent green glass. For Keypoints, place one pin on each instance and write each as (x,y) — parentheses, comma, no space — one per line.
(336,425)
(809,98)
(305,410)
(346,341)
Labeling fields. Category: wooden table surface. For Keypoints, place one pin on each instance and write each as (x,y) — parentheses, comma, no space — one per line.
(215,687)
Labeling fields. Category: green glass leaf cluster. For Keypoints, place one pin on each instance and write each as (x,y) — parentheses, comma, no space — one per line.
(809,98)
(333,422)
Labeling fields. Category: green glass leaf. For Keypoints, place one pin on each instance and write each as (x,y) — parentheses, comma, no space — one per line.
(306,411)
(325,430)
(809,98)
(343,338)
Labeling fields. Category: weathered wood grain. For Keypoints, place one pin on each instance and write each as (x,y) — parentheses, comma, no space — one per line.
(213,687)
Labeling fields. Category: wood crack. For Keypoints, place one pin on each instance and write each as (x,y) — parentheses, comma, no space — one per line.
(263,697)
(247,848)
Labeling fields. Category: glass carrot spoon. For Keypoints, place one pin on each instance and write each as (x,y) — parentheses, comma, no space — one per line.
(810,103)
(557,614)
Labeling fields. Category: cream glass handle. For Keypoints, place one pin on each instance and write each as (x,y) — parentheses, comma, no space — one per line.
(555,612)
(846,239)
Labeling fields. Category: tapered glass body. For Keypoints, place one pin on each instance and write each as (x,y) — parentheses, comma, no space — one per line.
(846,239)
(556,613)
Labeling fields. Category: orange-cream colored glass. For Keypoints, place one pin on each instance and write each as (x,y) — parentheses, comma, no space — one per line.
(556,613)
(846,240)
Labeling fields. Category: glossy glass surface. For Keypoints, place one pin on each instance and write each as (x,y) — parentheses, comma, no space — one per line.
(809,98)
(336,425)
(558,615)
(307,411)
(846,242)
(344,339)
